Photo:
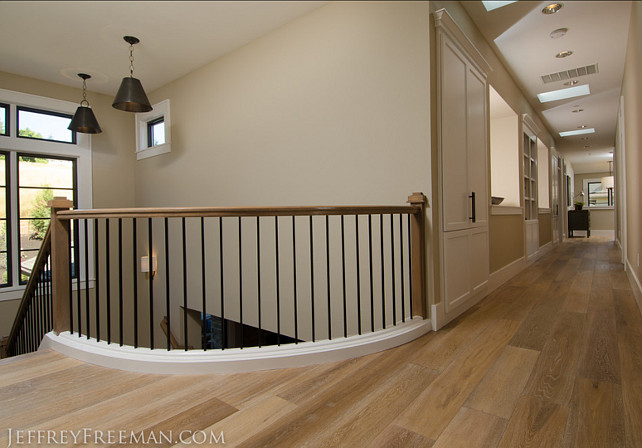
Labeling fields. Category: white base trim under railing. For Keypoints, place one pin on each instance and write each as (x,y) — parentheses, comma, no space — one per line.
(233,360)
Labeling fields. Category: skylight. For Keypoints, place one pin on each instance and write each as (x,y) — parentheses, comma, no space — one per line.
(577,132)
(563,94)
(490,5)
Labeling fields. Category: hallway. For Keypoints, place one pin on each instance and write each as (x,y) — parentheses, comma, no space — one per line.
(553,358)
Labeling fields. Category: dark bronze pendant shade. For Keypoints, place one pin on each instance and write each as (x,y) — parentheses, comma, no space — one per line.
(84,120)
(131,96)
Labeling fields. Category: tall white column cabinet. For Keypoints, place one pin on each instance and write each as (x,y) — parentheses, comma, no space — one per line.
(462,139)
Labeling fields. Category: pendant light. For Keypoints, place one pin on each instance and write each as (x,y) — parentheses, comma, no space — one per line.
(84,120)
(131,97)
(608,181)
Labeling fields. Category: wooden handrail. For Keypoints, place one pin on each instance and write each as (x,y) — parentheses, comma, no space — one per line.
(27,296)
(174,343)
(237,211)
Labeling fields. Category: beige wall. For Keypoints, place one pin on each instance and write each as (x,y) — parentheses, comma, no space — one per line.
(113,154)
(506,236)
(632,93)
(332,108)
(545,228)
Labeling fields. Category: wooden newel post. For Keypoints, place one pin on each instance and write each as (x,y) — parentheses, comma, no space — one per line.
(60,281)
(418,254)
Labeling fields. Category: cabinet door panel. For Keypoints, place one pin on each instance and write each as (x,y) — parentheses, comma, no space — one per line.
(477,145)
(457,259)
(453,138)
(480,262)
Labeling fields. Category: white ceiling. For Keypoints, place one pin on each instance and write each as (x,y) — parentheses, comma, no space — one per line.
(54,40)
(597,33)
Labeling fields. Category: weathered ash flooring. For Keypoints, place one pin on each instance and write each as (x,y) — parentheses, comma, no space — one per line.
(553,358)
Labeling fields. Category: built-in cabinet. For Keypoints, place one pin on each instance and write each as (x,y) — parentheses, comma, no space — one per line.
(529,185)
(463,166)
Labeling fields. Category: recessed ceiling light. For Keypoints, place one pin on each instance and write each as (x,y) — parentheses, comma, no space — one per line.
(490,5)
(552,8)
(563,54)
(585,138)
(587,146)
(577,110)
(556,34)
(577,132)
(563,94)
(582,126)
(571,82)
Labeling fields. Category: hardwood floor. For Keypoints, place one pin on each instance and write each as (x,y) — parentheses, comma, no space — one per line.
(553,358)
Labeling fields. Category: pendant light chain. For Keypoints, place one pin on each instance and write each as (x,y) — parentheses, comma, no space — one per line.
(131,60)
(84,92)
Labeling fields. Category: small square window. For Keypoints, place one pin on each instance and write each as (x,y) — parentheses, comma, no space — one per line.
(4,119)
(156,132)
(44,125)
(153,131)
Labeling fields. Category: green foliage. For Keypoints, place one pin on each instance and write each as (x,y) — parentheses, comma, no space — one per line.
(33,159)
(29,133)
(41,212)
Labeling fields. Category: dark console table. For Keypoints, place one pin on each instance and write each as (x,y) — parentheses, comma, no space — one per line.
(579,220)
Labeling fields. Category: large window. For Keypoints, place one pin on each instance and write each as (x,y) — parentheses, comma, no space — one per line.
(39,159)
(44,125)
(598,196)
(40,179)
(4,119)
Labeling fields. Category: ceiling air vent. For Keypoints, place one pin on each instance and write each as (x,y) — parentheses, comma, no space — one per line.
(570,74)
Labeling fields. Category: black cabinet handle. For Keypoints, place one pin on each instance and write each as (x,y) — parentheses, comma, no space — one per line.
(472,197)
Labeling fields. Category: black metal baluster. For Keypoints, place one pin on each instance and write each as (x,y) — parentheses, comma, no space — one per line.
(312,277)
(343,268)
(327,271)
(403,278)
(296,313)
(120,281)
(108,279)
(87,310)
(184,282)
(150,263)
(371,280)
(167,271)
(356,225)
(220,245)
(204,286)
(97,267)
(410,266)
(135,277)
(392,267)
(383,285)
(258,274)
(241,282)
(278,289)
(71,290)
(78,288)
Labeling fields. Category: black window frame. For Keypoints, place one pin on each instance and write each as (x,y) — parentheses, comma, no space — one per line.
(74,139)
(7,218)
(150,130)
(7,119)
(74,236)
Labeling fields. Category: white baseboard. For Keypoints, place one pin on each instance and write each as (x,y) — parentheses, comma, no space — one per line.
(501,276)
(606,233)
(232,360)
(635,284)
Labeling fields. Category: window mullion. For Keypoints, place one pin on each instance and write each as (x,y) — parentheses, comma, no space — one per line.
(13,218)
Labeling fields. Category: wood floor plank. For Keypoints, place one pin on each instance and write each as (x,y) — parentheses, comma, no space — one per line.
(535,424)
(537,326)
(577,298)
(630,344)
(596,416)
(397,437)
(599,360)
(472,428)
(501,387)
(554,374)
(620,281)
(627,313)
(431,412)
